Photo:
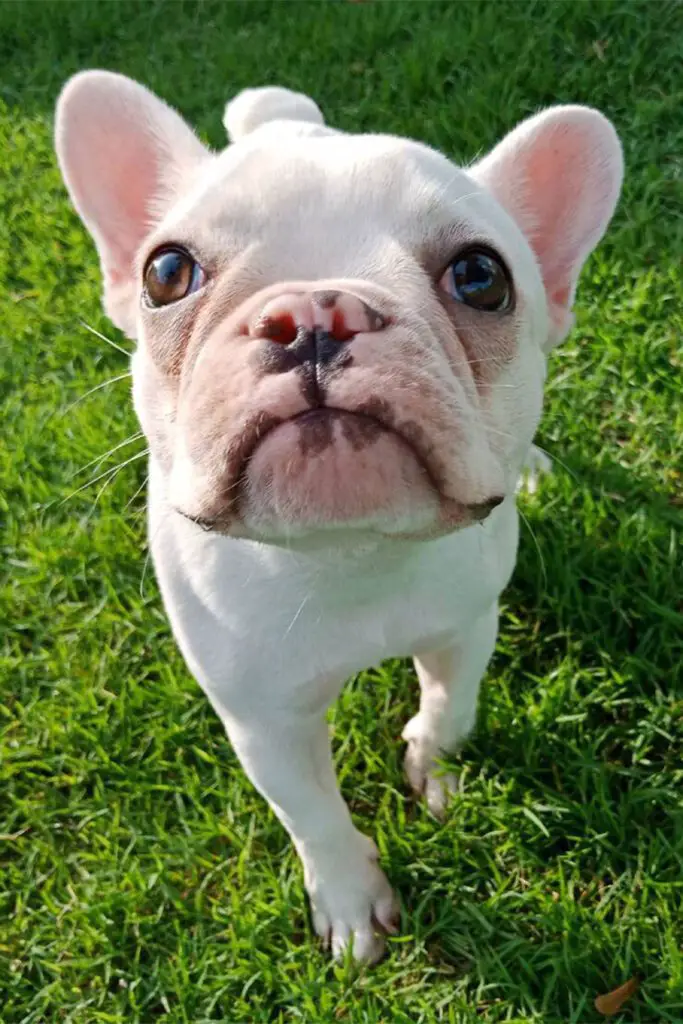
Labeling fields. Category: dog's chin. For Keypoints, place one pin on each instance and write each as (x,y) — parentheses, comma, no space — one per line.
(330,472)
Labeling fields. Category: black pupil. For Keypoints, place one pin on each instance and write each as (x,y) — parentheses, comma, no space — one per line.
(480,281)
(169,267)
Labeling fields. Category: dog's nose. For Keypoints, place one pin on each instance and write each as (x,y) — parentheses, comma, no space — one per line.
(332,316)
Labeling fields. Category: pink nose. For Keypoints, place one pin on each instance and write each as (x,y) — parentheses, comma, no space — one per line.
(339,314)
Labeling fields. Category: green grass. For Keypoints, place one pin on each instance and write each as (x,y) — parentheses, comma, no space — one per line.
(141,877)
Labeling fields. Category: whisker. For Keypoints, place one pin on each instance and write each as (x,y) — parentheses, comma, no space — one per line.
(495,362)
(500,433)
(101,491)
(537,546)
(98,387)
(300,609)
(101,458)
(104,338)
(554,458)
(487,362)
(140,488)
(107,472)
(148,556)
(454,177)
(461,199)
(144,569)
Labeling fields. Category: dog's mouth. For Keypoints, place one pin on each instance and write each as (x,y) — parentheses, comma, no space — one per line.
(327,465)
(317,429)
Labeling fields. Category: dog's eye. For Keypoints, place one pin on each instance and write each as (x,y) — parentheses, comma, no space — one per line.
(478,278)
(170,275)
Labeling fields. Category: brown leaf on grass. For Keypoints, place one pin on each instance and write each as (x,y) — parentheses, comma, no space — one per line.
(612,1002)
(599,47)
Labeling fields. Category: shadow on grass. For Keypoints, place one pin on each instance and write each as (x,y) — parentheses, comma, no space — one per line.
(571,780)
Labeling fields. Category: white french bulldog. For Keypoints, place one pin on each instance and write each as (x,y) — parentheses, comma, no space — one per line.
(341,349)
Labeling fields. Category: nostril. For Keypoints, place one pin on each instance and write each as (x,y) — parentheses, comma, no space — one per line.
(345,315)
(282,328)
(340,329)
(339,315)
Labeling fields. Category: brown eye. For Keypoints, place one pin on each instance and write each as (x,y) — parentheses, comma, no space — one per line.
(170,275)
(478,278)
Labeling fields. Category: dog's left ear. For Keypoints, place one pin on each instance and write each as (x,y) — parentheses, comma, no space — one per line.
(558,175)
(124,156)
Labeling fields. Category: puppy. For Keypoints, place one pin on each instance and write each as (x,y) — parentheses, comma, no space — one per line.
(341,349)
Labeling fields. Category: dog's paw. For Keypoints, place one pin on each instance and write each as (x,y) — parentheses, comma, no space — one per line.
(352,902)
(426,779)
(537,464)
(436,786)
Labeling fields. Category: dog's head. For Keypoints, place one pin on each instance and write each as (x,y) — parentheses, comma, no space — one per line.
(334,331)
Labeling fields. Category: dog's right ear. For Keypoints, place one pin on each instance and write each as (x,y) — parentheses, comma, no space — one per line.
(124,155)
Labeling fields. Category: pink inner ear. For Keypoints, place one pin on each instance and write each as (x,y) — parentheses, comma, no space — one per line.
(114,177)
(124,155)
(558,174)
(561,297)
(568,187)
(122,152)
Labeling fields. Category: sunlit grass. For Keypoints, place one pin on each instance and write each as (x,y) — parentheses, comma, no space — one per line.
(141,877)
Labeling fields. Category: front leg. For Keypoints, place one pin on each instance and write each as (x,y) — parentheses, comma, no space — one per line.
(449,687)
(289,760)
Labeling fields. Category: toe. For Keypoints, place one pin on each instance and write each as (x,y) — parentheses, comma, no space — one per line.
(340,939)
(353,905)
(321,924)
(368,945)
(439,791)
(387,913)
(414,769)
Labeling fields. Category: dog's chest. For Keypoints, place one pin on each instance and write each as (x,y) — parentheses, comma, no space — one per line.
(243,613)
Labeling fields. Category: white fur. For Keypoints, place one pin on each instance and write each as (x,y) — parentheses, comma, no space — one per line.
(272,632)
(255,107)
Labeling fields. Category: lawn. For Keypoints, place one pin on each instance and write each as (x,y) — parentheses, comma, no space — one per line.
(141,877)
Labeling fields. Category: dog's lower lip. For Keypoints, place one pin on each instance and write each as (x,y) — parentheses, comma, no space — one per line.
(231,511)
(389,426)
(201,521)
(312,414)
(325,412)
